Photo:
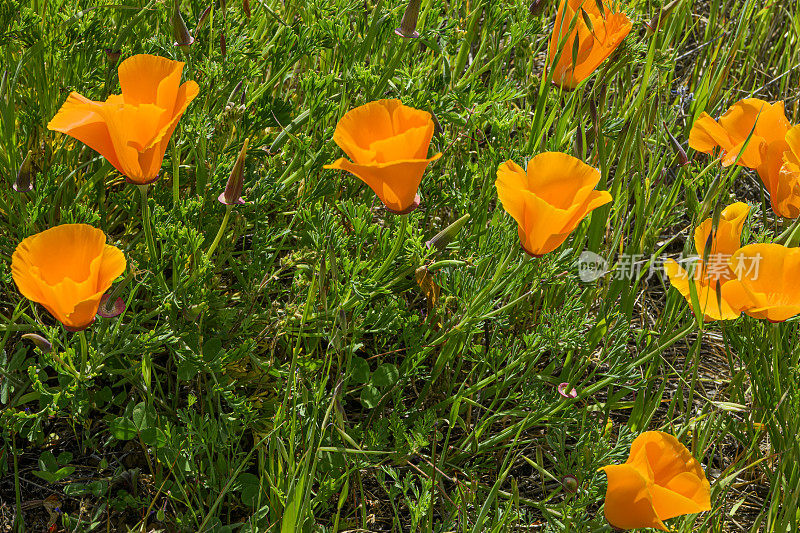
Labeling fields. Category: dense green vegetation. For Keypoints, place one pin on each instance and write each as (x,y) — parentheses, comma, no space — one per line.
(324,369)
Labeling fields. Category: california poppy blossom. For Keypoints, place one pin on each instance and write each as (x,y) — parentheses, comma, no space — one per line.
(766,281)
(766,121)
(766,151)
(660,480)
(784,176)
(593,42)
(388,144)
(67,269)
(550,199)
(713,273)
(131,130)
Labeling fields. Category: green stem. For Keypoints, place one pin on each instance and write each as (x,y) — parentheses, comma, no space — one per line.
(84,353)
(777,355)
(398,244)
(146,223)
(220,232)
(175,175)
(148,234)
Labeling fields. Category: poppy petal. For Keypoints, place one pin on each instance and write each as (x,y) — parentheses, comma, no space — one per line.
(79,118)
(628,503)
(396,184)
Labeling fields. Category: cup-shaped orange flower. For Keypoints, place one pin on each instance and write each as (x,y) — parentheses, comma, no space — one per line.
(660,480)
(388,143)
(781,174)
(67,269)
(131,130)
(767,151)
(593,42)
(550,199)
(766,281)
(730,133)
(713,272)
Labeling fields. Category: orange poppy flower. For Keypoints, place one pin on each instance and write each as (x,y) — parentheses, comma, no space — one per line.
(660,480)
(710,276)
(131,130)
(766,151)
(783,175)
(595,42)
(766,281)
(550,199)
(388,143)
(767,122)
(67,269)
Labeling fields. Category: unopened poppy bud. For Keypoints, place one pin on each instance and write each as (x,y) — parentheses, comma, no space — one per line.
(110,309)
(179,30)
(233,189)
(203,17)
(24,181)
(683,159)
(408,25)
(662,14)
(570,483)
(112,56)
(537,7)
(579,142)
(444,237)
(40,342)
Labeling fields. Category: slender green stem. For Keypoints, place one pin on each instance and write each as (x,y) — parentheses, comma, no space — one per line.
(176,182)
(148,234)
(777,356)
(146,223)
(84,353)
(399,240)
(19,520)
(220,232)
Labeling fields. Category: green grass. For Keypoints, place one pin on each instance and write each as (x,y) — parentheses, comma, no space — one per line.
(290,382)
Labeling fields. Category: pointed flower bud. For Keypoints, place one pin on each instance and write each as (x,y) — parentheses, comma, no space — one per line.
(40,342)
(203,17)
(444,237)
(179,30)
(408,25)
(24,181)
(537,7)
(683,159)
(233,189)
(112,56)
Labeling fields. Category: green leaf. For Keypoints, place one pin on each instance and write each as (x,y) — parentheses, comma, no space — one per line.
(47,476)
(140,416)
(211,349)
(154,437)
(370,396)
(47,462)
(187,370)
(360,370)
(385,376)
(123,428)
